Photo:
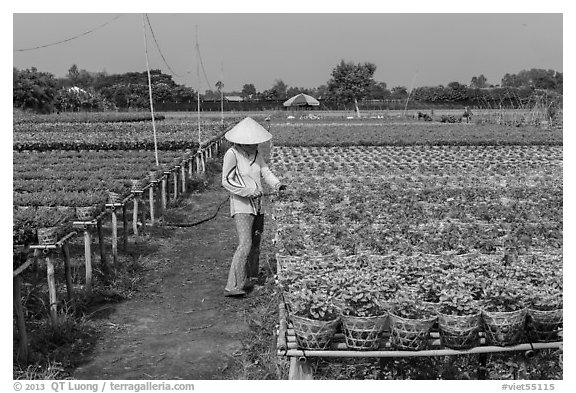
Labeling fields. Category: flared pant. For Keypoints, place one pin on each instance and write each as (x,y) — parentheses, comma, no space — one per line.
(246,259)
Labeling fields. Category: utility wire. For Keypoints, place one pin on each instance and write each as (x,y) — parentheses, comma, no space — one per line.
(71,38)
(160,51)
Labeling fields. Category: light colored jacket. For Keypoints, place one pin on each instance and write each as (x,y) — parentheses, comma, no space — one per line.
(241,176)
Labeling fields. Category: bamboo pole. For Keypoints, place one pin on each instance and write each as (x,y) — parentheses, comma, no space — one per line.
(429,352)
(67,271)
(142,212)
(203,161)
(282,346)
(53,305)
(20,321)
(151,200)
(103,261)
(88,258)
(115,237)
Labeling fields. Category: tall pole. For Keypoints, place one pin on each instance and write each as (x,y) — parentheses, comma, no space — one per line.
(222,93)
(150,90)
(409,93)
(198,92)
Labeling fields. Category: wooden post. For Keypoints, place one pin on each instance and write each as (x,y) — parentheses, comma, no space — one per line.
(67,272)
(88,258)
(53,301)
(203,162)
(300,369)
(175,183)
(124,228)
(482,358)
(164,198)
(135,214)
(151,199)
(103,261)
(115,236)
(142,212)
(198,164)
(20,322)
(183,177)
(190,168)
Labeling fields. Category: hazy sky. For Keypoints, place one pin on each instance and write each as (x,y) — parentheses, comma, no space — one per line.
(301,49)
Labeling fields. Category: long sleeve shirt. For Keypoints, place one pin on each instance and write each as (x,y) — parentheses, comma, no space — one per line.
(241,176)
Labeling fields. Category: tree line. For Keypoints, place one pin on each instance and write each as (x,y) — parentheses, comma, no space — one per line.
(349,85)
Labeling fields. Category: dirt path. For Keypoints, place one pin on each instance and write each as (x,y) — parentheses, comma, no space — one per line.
(179,325)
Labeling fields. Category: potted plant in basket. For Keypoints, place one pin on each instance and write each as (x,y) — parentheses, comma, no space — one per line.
(314,317)
(503,312)
(459,318)
(545,314)
(50,224)
(410,321)
(364,315)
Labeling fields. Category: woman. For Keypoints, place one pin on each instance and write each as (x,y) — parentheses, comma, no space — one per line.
(242,171)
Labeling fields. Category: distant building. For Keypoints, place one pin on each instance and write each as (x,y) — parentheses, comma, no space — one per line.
(233,98)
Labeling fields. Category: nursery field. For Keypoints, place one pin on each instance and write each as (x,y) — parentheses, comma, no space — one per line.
(65,161)
(455,221)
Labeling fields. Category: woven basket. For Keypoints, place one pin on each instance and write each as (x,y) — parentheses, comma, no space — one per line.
(114,197)
(85,213)
(410,334)
(136,185)
(545,324)
(459,331)
(47,235)
(364,333)
(504,328)
(314,334)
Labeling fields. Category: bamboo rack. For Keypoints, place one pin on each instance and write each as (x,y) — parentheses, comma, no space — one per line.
(287,345)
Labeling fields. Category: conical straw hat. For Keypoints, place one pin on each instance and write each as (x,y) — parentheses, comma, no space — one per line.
(248,132)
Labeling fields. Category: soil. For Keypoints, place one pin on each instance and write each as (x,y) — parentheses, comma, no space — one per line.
(178,325)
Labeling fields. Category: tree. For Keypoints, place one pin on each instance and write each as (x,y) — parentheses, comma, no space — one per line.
(351,82)
(379,91)
(399,93)
(478,82)
(34,90)
(279,90)
(248,91)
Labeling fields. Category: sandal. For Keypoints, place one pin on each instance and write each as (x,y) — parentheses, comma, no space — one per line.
(234,293)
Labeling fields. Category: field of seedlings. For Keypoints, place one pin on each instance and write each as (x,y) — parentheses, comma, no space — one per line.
(393,235)
(64,162)
(422,223)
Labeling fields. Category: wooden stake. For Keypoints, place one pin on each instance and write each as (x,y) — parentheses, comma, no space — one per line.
(103,261)
(175,183)
(164,198)
(190,168)
(88,259)
(300,369)
(51,289)
(124,228)
(115,237)
(151,200)
(198,164)
(183,177)
(20,322)
(135,215)
(67,271)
